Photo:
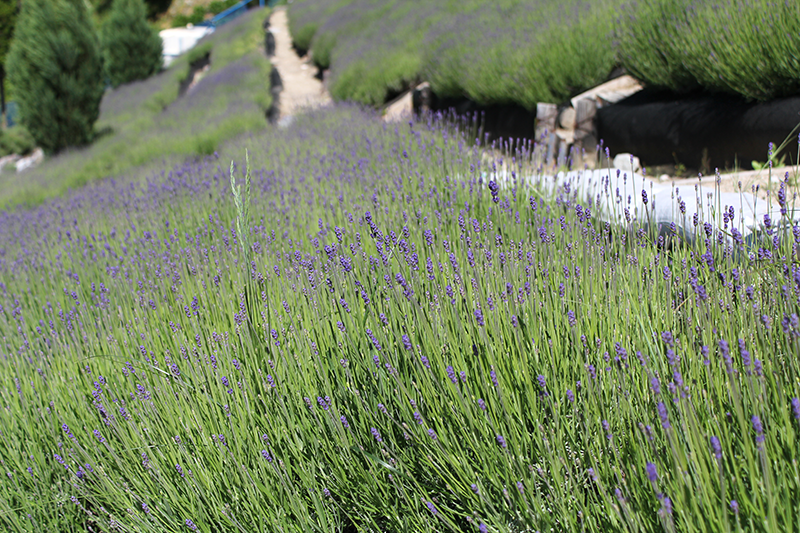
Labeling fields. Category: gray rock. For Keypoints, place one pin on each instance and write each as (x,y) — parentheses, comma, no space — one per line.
(36,157)
(566,119)
(624,163)
(8,160)
(546,115)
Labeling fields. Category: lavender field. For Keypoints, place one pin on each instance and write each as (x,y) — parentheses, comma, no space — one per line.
(525,52)
(370,333)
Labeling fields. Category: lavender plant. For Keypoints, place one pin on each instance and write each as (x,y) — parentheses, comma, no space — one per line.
(429,348)
(735,46)
(529,52)
(500,52)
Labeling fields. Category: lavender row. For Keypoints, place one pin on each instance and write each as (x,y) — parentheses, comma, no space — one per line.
(529,52)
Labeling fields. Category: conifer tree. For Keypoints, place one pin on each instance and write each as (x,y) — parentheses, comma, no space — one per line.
(131,48)
(8,18)
(56,69)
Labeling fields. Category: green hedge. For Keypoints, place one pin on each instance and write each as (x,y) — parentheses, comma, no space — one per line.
(469,47)
(530,51)
(749,48)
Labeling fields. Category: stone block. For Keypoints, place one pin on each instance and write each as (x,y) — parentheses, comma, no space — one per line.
(546,115)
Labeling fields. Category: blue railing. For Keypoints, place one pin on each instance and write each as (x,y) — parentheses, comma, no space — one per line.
(12,114)
(233,12)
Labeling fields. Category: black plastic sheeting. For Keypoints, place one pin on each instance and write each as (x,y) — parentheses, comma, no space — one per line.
(698,130)
(506,121)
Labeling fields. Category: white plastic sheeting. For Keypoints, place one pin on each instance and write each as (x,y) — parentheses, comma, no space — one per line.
(616,197)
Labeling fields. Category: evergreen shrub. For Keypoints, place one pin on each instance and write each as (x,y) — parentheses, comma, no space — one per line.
(56,69)
(132,49)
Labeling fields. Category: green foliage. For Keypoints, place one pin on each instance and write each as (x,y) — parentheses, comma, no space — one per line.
(199,52)
(549,50)
(200,12)
(739,47)
(56,68)
(205,145)
(8,18)
(154,8)
(131,48)
(197,16)
(218,6)
(16,140)
(541,52)
(101,7)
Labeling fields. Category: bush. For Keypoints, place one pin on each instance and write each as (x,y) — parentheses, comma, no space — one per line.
(180,20)
(56,68)
(505,51)
(16,140)
(131,47)
(197,16)
(731,46)
(218,6)
(199,52)
(569,52)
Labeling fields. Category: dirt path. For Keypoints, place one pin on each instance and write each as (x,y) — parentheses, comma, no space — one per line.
(300,88)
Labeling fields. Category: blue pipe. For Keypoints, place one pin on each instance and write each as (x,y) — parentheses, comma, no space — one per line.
(214,21)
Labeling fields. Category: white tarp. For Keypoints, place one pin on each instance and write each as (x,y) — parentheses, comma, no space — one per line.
(178,40)
(616,196)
